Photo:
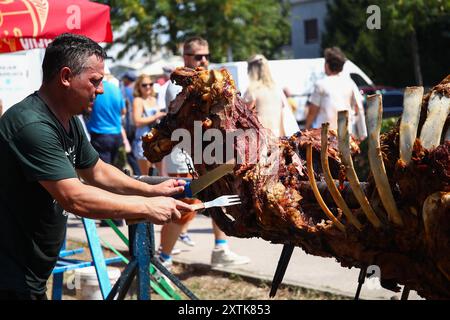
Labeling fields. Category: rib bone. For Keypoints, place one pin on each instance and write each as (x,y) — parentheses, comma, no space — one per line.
(438,110)
(374,112)
(435,219)
(346,158)
(319,198)
(337,197)
(412,102)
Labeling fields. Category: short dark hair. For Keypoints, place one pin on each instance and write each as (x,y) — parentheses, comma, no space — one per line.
(129,75)
(69,50)
(189,43)
(335,59)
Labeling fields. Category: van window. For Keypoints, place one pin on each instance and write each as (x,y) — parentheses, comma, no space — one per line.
(360,82)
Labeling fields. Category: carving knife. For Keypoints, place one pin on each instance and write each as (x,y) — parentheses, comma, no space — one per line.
(196,185)
(193,186)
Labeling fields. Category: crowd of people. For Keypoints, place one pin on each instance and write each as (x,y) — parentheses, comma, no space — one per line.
(76,125)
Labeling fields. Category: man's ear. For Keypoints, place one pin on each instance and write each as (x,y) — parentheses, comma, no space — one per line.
(66,76)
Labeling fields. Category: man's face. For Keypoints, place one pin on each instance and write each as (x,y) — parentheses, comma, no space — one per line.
(87,85)
(197,56)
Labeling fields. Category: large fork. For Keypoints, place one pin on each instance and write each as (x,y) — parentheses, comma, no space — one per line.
(223,201)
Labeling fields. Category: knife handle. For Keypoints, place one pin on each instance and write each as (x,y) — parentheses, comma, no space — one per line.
(187,193)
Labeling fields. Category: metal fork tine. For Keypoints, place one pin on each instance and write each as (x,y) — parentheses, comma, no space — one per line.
(231,203)
(232,197)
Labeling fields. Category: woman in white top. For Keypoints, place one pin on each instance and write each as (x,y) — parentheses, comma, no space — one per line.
(265,97)
(145,115)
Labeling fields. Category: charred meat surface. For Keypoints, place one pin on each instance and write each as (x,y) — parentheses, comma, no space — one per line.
(277,202)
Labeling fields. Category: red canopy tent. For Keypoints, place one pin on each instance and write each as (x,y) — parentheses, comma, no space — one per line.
(29,24)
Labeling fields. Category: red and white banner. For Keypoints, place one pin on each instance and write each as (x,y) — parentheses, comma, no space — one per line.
(30,24)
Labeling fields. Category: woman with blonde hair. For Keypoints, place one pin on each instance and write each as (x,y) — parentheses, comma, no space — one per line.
(145,115)
(267,99)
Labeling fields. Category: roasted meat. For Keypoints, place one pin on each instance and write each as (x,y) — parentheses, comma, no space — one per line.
(303,190)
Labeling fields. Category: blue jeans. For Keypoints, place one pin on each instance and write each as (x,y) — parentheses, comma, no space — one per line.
(132,161)
(107,145)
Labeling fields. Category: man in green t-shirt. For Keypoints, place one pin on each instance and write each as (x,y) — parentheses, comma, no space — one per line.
(43,152)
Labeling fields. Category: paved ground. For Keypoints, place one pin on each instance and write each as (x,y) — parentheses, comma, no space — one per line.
(304,270)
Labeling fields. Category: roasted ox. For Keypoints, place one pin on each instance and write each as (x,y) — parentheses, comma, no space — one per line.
(303,190)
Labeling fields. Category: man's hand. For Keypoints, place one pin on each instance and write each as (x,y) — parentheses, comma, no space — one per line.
(170,187)
(164,209)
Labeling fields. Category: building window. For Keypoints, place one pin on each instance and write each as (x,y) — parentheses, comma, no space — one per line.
(311,31)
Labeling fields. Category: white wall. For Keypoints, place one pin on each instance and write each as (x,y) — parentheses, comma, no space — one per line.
(20,75)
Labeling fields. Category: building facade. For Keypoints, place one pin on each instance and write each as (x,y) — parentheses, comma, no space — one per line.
(308,25)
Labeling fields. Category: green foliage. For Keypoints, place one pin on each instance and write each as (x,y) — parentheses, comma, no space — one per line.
(388,124)
(243,27)
(386,54)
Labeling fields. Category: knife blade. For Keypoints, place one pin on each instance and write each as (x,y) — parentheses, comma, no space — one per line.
(196,185)
(193,186)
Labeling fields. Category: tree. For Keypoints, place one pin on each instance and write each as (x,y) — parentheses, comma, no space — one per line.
(413,37)
(237,28)
(412,15)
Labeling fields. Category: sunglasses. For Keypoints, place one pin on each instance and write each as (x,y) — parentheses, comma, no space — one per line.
(198,57)
(144,85)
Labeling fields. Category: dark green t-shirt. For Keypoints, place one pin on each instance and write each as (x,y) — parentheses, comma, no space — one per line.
(35,146)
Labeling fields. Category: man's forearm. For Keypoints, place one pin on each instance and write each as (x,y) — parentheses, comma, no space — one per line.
(108,177)
(94,203)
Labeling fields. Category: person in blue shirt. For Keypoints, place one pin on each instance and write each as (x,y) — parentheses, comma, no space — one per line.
(105,122)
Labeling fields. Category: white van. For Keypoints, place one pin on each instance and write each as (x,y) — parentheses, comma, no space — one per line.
(298,75)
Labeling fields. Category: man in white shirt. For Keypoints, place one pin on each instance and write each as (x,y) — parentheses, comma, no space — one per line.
(331,94)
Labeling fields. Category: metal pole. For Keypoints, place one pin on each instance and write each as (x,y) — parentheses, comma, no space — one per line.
(361,280)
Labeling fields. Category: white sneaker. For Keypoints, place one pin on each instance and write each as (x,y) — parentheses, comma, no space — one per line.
(175,251)
(186,239)
(166,263)
(225,257)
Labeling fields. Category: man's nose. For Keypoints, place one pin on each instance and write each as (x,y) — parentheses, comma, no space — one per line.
(99,89)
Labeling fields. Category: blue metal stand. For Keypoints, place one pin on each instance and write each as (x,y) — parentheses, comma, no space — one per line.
(142,251)
(139,264)
(98,260)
